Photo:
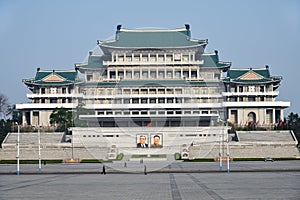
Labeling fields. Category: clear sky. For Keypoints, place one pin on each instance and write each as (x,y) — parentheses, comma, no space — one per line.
(55,34)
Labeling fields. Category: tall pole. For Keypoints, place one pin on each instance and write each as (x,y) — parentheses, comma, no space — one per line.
(18,151)
(72,145)
(227,144)
(220,153)
(40,163)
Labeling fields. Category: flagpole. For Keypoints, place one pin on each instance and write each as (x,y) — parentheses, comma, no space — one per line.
(220,153)
(228,168)
(39,138)
(18,151)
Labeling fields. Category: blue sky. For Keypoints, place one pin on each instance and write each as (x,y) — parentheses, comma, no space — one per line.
(58,33)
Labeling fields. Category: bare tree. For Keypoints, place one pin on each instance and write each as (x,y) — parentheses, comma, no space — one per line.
(5,107)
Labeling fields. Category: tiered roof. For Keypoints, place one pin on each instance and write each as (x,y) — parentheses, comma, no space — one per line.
(52,77)
(253,76)
(212,61)
(95,62)
(152,38)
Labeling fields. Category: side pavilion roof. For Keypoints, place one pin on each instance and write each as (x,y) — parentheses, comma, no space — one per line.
(253,76)
(52,77)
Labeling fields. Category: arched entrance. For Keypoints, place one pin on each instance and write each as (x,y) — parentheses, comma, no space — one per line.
(251,117)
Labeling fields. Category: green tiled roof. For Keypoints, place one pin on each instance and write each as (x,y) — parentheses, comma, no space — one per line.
(67,76)
(236,73)
(94,62)
(152,39)
(212,60)
(263,76)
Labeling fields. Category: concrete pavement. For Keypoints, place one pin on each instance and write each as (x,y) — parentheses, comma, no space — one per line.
(176,186)
(120,167)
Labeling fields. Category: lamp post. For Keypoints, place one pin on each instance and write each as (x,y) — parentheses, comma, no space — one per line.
(220,153)
(72,145)
(227,145)
(18,151)
(39,138)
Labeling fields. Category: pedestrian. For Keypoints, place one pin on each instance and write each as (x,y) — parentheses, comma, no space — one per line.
(125,164)
(103,170)
(145,170)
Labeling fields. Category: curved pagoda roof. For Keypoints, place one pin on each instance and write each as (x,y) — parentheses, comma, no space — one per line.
(152,38)
(212,61)
(94,62)
(52,77)
(252,76)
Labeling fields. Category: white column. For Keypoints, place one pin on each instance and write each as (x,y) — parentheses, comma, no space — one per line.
(132,57)
(39,120)
(31,117)
(117,74)
(273,112)
(281,114)
(181,72)
(108,74)
(132,73)
(23,118)
(117,57)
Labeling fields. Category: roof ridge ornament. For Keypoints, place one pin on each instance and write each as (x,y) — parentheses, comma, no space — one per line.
(119,26)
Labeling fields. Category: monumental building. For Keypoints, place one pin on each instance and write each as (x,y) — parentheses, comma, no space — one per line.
(155,77)
(157,90)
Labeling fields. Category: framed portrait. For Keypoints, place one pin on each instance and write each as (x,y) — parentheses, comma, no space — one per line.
(156,140)
(142,141)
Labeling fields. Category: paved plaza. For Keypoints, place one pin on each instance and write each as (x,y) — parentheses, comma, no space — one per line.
(178,180)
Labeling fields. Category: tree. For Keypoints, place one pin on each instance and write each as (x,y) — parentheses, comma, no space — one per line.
(16,115)
(5,127)
(80,110)
(294,124)
(62,117)
(5,107)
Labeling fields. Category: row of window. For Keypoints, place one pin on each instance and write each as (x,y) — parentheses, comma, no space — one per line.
(152,91)
(181,135)
(252,88)
(131,100)
(52,100)
(157,112)
(52,90)
(152,100)
(153,57)
(250,99)
(100,136)
(153,74)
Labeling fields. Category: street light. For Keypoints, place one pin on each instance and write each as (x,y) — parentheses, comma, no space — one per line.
(39,139)
(227,144)
(18,150)
(220,153)
(220,143)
